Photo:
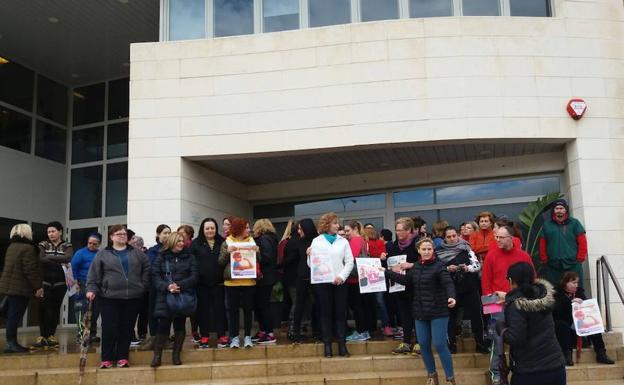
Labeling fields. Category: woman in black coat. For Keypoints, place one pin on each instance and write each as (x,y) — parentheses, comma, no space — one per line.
(210,290)
(529,329)
(434,294)
(174,271)
(568,292)
(305,296)
(265,238)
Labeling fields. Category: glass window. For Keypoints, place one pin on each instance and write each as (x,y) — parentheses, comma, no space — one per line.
(50,142)
(51,100)
(87,145)
(88,104)
(378,222)
(233,17)
(86,193)
(118,98)
(539,8)
(280,15)
(413,198)
(494,190)
(40,232)
(187,19)
(274,210)
(79,237)
(16,84)
(430,8)
(379,9)
(430,216)
(456,216)
(341,205)
(329,12)
(116,188)
(15,130)
(481,7)
(117,140)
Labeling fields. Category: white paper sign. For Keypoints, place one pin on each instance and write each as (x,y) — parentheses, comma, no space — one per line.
(393,261)
(72,284)
(243,260)
(587,318)
(371,277)
(321,268)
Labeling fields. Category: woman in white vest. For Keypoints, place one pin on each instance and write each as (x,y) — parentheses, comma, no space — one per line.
(332,296)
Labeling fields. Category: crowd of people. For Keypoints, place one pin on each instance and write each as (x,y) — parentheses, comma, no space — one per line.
(182,276)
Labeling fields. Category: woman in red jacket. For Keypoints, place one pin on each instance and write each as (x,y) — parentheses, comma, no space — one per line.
(480,240)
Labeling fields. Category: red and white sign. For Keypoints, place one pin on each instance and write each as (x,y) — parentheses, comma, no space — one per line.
(576,108)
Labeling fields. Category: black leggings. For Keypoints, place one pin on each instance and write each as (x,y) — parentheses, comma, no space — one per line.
(50,308)
(164,325)
(17,307)
(304,298)
(363,308)
(238,296)
(404,306)
(471,303)
(118,316)
(567,337)
(333,310)
(211,310)
(262,307)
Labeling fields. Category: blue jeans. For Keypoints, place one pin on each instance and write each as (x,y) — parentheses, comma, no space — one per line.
(382,312)
(495,337)
(434,331)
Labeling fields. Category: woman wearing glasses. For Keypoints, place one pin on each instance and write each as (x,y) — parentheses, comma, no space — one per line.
(118,277)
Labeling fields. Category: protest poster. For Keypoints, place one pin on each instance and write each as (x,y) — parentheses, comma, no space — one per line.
(243,260)
(393,261)
(371,277)
(587,318)
(321,268)
(72,284)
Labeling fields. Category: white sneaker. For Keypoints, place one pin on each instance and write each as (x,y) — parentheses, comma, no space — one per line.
(248,343)
(235,344)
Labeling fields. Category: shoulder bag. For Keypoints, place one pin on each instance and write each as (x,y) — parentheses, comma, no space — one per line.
(183,303)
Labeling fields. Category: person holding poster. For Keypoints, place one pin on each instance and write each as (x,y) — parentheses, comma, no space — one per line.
(238,257)
(567,293)
(332,296)
(406,237)
(434,294)
(529,330)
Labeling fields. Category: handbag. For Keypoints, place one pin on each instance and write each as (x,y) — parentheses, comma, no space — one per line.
(503,366)
(183,303)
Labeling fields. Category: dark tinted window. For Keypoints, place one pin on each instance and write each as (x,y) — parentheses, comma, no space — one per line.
(379,9)
(87,145)
(86,193)
(118,99)
(540,8)
(187,19)
(40,231)
(117,141)
(88,104)
(50,142)
(233,17)
(481,8)
(274,210)
(52,100)
(329,12)
(341,205)
(430,8)
(16,84)
(15,129)
(116,188)
(280,15)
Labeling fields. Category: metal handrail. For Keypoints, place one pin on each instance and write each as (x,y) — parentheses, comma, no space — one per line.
(603,272)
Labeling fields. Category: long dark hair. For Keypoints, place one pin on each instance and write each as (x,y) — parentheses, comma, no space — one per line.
(200,234)
(523,275)
(160,229)
(308,228)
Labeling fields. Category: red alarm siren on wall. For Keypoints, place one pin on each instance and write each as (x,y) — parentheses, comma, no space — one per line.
(576,108)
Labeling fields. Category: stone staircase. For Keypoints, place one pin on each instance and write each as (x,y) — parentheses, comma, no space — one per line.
(370,363)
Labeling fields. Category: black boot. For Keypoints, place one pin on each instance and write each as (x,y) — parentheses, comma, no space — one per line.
(328,350)
(14,347)
(602,358)
(568,358)
(159,345)
(178,341)
(342,349)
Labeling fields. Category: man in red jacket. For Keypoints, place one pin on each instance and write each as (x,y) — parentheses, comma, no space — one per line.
(494,281)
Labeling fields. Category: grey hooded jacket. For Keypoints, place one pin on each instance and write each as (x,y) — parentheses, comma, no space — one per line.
(108,279)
